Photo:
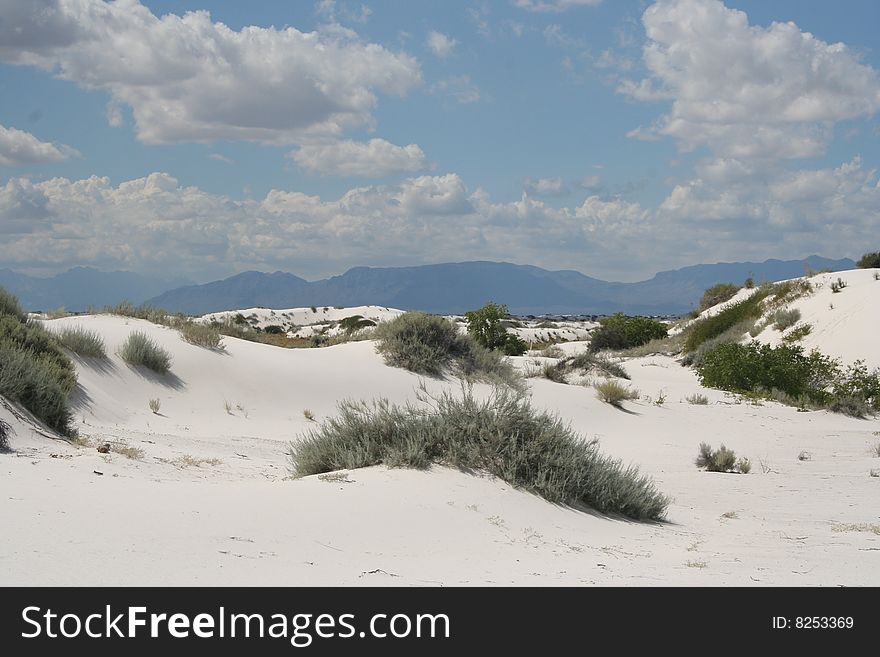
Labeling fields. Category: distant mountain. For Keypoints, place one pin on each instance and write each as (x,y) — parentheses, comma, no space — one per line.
(456,287)
(81,287)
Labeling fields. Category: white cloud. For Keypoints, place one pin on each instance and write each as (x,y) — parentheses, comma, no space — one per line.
(114,114)
(460,88)
(747,91)
(546,186)
(373,159)
(440,44)
(221,158)
(20,148)
(554,6)
(187,78)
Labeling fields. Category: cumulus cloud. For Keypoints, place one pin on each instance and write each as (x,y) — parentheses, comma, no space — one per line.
(20,148)
(747,91)
(187,78)
(440,44)
(546,186)
(373,159)
(554,6)
(155,224)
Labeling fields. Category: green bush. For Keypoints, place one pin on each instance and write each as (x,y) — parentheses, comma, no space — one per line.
(753,367)
(82,342)
(614,393)
(622,332)
(733,334)
(869,260)
(718,294)
(9,306)
(710,327)
(721,460)
(514,346)
(355,323)
(274,329)
(488,327)
(502,435)
(140,350)
(798,334)
(589,362)
(201,335)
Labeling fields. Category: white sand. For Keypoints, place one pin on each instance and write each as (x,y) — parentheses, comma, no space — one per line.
(176,517)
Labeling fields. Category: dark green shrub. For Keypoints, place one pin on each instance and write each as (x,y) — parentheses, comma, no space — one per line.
(140,350)
(502,435)
(274,329)
(486,326)
(622,332)
(355,323)
(869,260)
(798,334)
(754,366)
(718,294)
(514,346)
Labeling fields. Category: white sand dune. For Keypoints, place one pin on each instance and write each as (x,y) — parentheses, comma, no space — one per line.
(210,501)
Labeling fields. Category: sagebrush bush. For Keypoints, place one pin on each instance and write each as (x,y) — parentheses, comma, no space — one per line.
(589,362)
(502,435)
(697,399)
(82,342)
(622,332)
(34,371)
(786,318)
(9,306)
(614,393)
(432,345)
(721,460)
(5,433)
(140,350)
(719,293)
(201,335)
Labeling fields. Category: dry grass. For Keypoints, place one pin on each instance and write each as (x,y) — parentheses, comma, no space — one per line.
(871,528)
(189,461)
(614,393)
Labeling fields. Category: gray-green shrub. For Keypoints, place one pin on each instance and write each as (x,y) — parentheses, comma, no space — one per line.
(82,342)
(201,335)
(502,435)
(786,318)
(721,460)
(5,433)
(140,350)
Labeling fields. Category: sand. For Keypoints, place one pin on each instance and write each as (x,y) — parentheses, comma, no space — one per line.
(210,500)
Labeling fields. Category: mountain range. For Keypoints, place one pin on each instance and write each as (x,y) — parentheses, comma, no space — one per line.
(446,288)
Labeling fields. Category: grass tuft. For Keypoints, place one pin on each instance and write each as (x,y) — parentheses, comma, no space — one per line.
(140,350)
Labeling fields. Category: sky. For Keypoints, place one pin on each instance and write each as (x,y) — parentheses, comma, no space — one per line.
(198,139)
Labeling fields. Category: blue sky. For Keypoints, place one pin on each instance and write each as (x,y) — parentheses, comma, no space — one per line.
(617,138)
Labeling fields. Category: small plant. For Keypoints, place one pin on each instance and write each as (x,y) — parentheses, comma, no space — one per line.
(877,275)
(721,460)
(874,472)
(697,399)
(228,406)
(552,352)
(750,283)
(805,456)
(784,319)
(798,334)
(82,342)
(661,398)
(155,405)
(307,414)
(554,373)
(5,433)
(697,564)
(875,450)
(140,350)
(838,285)
(129,452)
(612,392)
(314,309)
(201,335)
(730,515)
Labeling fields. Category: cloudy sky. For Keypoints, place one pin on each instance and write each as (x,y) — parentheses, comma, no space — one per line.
(615,137)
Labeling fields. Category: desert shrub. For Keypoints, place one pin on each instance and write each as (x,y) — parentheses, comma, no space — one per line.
(488,328)
(798,334)
(697,399)
(355,323)
(589,362)
(838,285)
(709,327)
(721,460)
(139,350)
(718,294)
(9,306)
(554,373)
(428,344)
(614,393)
(82,342)
(869,260)
(786,318)
(668,346)
(752,367)
(552,352)
(622,332)
(502,435)
(274,329)
(5,432)
(201,335)
(750,283)
(155,404)
(732,335)
(514,346)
